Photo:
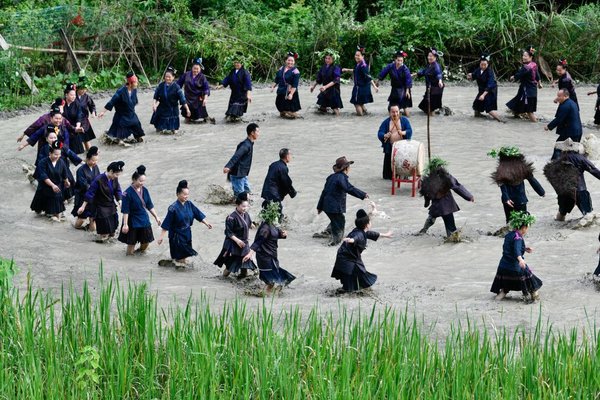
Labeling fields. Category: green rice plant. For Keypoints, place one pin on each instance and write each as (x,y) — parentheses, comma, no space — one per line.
(115,342)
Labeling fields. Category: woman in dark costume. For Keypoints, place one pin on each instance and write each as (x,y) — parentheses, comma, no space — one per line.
(597,271)
(167,97)
(73,113)
(525,102)
(45,119)
(265,248)
(512,172)
(597,106)
(437,189)
(361,92)
(349,268)
(564,80)
(85,176)
(136,227)
(391,130)
(178,222)
(487,95)
(286,81)
(125,121)
(105,193)
(433,81)
(88,107)
(329,78)
(51,174)
(235,246)
(240,83)
(513,272)
(197,90)
(401,80)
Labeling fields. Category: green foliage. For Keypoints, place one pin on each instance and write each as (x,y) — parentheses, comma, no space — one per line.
(270,214)
(158,33)
(520,218)
(507,151)
(117,343)
(434,164)
(8,270)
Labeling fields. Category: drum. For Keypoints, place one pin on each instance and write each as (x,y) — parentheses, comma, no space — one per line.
(408,157)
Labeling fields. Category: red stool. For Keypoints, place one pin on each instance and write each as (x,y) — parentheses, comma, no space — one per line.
(414,180)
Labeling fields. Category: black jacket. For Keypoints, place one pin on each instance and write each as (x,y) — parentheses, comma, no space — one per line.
(278,183)
(567,122)
(333,197)
(240,163)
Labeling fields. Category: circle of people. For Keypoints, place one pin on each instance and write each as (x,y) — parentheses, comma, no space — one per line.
(66,132)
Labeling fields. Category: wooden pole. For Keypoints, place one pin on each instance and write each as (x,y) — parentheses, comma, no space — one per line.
(428,122)
(34,90)
(65,40)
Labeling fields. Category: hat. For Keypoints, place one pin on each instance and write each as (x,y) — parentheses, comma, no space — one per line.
(400,53)
(520,218)
(484,57)
(570,145)
(341,164)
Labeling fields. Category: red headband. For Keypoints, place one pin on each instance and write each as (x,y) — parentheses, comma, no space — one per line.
(132,79)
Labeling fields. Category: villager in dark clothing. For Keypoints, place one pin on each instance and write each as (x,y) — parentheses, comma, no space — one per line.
(286,81)
(167,98)
(391,130)
(235,245)
(329,78)
(85,176)
(361,92)
(238,166)
(401,81)
(565,81)
(197,91)
(333,200)
(178,222)
(73,113)
(437,189)
(513,273)
(240,83)
(528,76)
(433,81)
(125,121)
(566,121)
(278,183)
(510,175)
(265,248)
(565,174)
(88,108)
(349,268)
(487,94)
(52,177)
(105,193)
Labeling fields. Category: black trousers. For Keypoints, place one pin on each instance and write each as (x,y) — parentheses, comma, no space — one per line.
(337,225)
(449,223)
(517,207)
(582,200)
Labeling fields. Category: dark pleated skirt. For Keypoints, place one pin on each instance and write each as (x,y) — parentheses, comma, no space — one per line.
(76,143)
(123,132)
(89,211)
(166,118)
(524,281)
(597,116)
(597,271)
(271,273)
(180,248)
(521,104)
(284,105)
(436,99)
(137,235)
(89,134)
(490,103)
(356,281)
(361,95)
(107,225)
(330,98)
(233,263)
(238,104)
(43,201)
(398,98)
(197,110)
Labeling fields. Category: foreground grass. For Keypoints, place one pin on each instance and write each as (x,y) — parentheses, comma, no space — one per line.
(123,346)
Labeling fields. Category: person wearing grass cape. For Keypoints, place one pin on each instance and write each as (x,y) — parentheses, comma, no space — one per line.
(349,268)
(437,189)
(513,272)
(510,176)
(265,249)
(178,222)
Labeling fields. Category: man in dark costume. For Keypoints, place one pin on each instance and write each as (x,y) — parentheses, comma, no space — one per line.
(278,183)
